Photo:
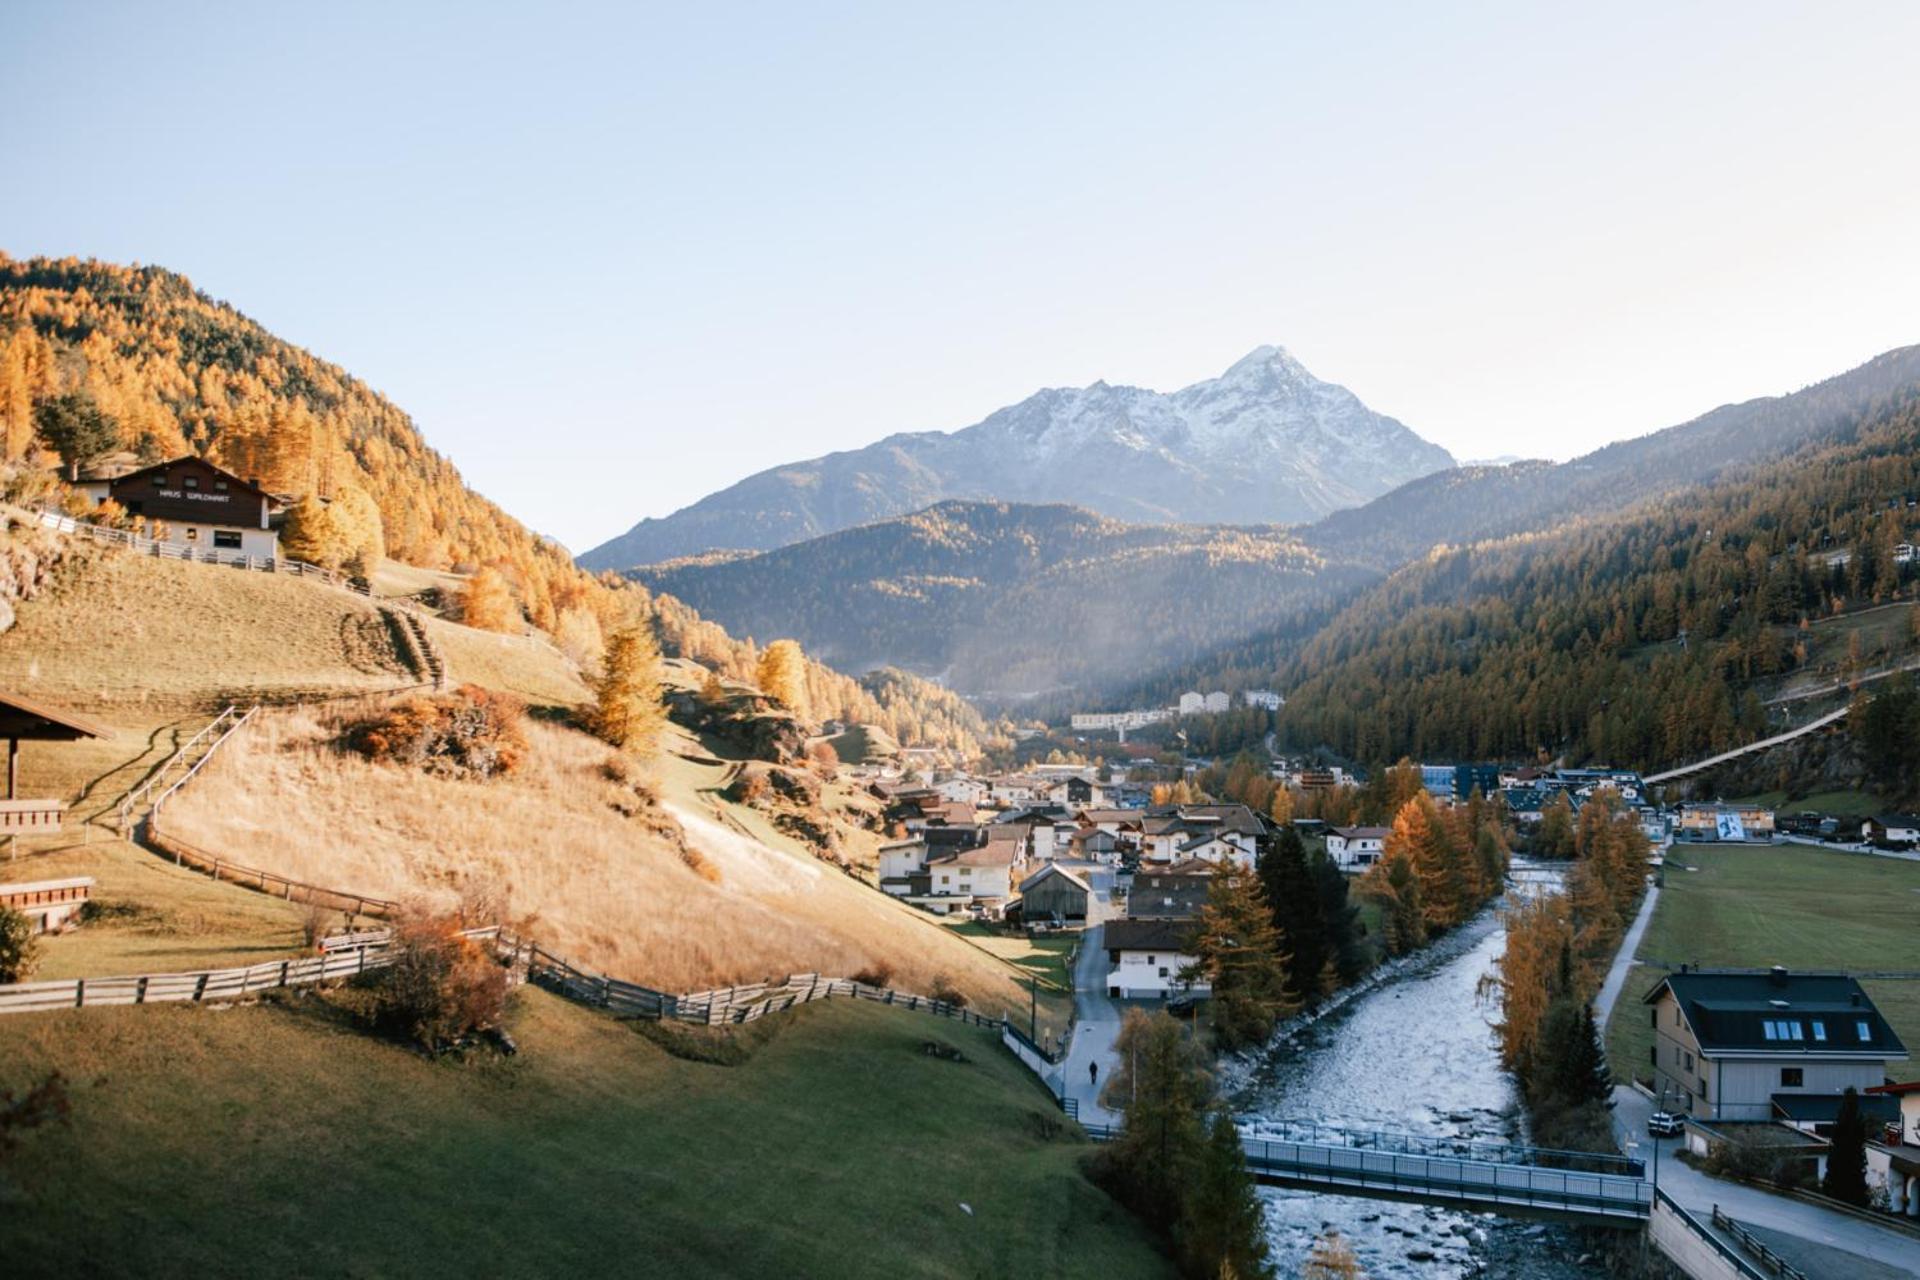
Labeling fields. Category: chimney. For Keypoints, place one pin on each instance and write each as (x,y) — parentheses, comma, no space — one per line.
(1777,975)
(1853,998)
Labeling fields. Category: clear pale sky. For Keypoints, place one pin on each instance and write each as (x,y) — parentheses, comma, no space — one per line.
(613,258)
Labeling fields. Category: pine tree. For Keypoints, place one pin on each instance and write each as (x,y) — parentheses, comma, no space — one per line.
(1339,918)
(1240,951)
(1846,1178)
(74,427)
(782,676)
(1288,883)
(628,710)
(1221,1231)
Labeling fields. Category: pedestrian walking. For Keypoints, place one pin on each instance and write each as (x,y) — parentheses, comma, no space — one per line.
(1093,1073)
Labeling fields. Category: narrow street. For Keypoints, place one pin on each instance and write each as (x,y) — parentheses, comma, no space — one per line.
(1096,1016)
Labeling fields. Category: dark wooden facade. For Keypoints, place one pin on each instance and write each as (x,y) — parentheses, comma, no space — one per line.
(192,491)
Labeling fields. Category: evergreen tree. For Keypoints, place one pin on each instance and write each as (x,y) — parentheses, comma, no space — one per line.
(1240,951)
(1288,883)
(1846,1178)
(1338,918)
(73,426)
(628,711)
(1221,1231)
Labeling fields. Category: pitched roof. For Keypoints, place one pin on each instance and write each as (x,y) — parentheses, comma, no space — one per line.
(25,717)
(1052,869)
(1361,833)
(1742,1012)
(191,459)
(1147,935)
(994,853)
(1898,820)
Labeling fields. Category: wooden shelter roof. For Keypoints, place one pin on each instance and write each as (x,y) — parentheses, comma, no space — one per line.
(31,719)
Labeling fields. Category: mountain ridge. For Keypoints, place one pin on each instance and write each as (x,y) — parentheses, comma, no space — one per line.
(1264,443)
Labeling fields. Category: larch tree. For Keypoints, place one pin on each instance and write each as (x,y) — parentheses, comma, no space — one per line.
(628,709)
(486,602)
(782,676)
(1332,1258)
(1240,950)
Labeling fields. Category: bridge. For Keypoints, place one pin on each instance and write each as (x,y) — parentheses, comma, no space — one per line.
(1477,1177)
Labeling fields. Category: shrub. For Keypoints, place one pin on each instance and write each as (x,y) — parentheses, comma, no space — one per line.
(19,949)
(878,973)
(826,761)
(945,992)
(440,987)
(469,733)
(697,863)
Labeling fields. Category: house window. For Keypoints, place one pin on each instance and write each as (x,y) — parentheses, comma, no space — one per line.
(221,485)
(1656,1018)
(1865,1031)
(1653,1052)
(1819,1030)
(193,535)
(1689,1062)
(228,539)
(1792,1077)
(159,480)
(1150,960)
(190,482)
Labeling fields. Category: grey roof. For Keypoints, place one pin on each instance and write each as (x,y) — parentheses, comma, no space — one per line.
(1824,1108)
(1821,1014)
(1052,869)
(1147,935)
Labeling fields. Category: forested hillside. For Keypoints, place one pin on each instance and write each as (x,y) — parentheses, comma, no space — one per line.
(1471,504)
(179,372)
(999,597)
(1644,640)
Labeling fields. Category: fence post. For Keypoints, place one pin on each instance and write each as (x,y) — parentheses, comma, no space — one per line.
(79,993)
(140,995)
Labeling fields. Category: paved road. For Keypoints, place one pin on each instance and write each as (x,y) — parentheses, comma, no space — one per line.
(1096,1016)
(1845,1238)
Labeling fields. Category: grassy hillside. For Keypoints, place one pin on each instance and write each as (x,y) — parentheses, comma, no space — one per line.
(295,1146)
(740,902)
(999,597)
(1801,907)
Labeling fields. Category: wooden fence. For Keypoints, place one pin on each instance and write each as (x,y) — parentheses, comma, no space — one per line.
(219,727)
(189,855)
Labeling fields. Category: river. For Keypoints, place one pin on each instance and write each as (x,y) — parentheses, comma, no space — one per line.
(1414,1054)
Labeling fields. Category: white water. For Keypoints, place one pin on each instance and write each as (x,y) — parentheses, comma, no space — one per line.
(1414,1055)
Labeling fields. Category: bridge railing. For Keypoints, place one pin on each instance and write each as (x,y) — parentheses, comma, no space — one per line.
(1479,1182)
(1313,1133)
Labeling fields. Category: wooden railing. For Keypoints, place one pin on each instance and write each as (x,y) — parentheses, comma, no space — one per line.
(132,801)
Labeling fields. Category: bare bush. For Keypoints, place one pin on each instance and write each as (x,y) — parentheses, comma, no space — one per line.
(440,987)
(469,733)
(946,992)
(878,973)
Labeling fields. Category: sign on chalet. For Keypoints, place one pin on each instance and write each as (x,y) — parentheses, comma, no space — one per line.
(192,503)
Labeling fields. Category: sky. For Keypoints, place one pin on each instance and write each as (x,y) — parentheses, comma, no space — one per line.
(612,258)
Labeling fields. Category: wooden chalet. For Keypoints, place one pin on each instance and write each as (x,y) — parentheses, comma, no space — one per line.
(24,719)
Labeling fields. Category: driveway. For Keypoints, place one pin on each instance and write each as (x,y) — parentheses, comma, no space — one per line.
(1839,1241)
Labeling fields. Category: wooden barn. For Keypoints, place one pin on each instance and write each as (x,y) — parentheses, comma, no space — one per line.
(1054,893)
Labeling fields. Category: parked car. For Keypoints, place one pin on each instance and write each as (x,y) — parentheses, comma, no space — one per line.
(1664,1124)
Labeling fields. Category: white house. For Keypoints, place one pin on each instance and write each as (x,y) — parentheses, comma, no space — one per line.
(900,863)
(1148,957)
(984,872)
(962,789)
(1265,699)
(191,503)
(1217,702)
(1356,848)
(1192,704)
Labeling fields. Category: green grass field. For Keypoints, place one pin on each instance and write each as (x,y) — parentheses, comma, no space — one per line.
(274,1140)
(1839,804)
(1801,907)
(1044,956)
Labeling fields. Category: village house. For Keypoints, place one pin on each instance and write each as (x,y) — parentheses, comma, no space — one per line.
(982,876)
(1093,845)
(1758,1046)
(193,504)
(1892,830)
(903,868)
(962,789)
(1149,957)
(1215,832)
(1727,823)
(1175,893)
(1054,893)
(1356,848)
(1075,793)
(1893,1154)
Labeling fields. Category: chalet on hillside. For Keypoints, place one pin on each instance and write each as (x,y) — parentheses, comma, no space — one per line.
(191,503)
(1740,1045)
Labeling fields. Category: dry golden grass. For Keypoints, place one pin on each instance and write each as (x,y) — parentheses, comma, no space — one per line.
(609,891)
(527,665)
(146,637)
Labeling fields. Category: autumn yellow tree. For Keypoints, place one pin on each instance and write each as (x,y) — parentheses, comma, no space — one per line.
(487,602)
(1528,977)
(782,676)
(1243,957)
(628,710)
(1332,1258)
